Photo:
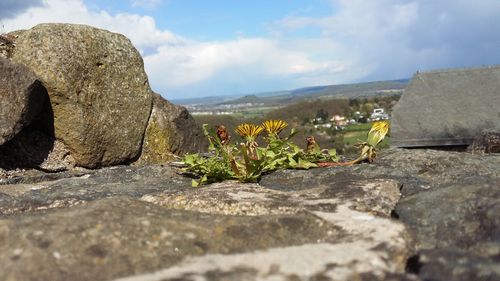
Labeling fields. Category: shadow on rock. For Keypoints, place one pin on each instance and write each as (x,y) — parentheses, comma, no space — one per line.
(35,146)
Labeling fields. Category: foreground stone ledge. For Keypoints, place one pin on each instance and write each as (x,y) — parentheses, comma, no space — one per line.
(123,221)
(344,223)
(88,186)
(118,236)
(233,198)
(346,261)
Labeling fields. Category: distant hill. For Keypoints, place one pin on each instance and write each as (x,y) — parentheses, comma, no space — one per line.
(204,100)
(332,91)
(365,89)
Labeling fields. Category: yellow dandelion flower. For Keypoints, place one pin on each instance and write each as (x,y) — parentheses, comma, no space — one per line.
(274,127)
(249,131)
(377,132)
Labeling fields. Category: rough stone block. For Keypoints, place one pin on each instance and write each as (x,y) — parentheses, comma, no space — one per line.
(451,107)
(98,89)
(21,98)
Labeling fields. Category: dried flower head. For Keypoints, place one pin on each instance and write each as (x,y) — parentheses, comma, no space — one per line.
(222,134)
(311,145)
(274,127)
(249,131)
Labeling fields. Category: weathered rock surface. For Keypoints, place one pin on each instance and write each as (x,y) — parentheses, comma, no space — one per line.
(90,185)
(486,142)
(417,171)
(147,223)
(118,237)
(125,221)
(462,215)
(456,265)
(6,46)
(33,148)
(171,131)
(449,203)
(450,107)
(22,95)
(99,92)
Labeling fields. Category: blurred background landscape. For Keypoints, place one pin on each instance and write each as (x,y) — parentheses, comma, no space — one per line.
(338,116)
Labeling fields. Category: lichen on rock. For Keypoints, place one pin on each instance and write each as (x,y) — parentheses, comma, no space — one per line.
(171,131)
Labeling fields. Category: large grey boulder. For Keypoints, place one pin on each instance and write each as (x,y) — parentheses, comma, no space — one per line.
(441,108)
(99,92)
(171,131)
(6,46)
(22,95)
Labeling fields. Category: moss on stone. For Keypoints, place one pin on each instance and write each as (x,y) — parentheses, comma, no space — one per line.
(156,147)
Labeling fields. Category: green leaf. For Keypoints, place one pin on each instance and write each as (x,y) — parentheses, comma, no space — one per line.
(204,179)
(207,134)
(246,159)
(291,162)
(191,159)
(304,164)
(261,152)
(295,148)
(270,154)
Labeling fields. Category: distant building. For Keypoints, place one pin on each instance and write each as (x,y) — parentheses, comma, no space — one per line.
(339,122)
(379,114)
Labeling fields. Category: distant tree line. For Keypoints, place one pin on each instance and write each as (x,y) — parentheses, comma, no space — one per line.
(300,115)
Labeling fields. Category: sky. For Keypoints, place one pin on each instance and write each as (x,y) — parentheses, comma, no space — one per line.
(195,48)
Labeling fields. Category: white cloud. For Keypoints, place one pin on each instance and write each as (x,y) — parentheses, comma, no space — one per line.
(398,37)
(173,62)
(360,40)
(140,29)
(177,66)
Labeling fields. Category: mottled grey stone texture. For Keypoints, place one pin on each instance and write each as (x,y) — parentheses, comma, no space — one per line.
(99,92)
(22,95)
(148,222)
(341,223)
(451,107)
(171,131)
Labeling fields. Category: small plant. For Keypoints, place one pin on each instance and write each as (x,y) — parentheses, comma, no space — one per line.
(368,149)
(247,161)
